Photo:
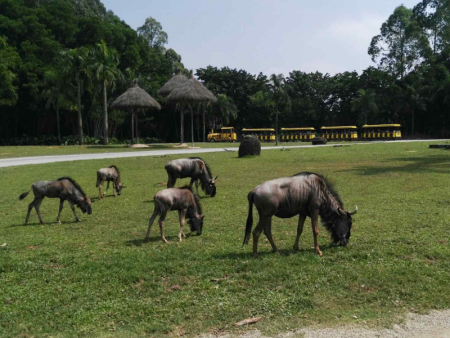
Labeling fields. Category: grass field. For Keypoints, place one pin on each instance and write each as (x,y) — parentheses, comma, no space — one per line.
(98,277)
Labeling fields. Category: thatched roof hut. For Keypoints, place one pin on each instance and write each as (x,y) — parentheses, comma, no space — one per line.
(173,83)
(190,92)
(133,100)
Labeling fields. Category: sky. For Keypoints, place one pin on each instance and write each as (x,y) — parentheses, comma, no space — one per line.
(268,36)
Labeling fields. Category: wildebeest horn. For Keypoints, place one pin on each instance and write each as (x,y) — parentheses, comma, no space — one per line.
(341,212)
(215,178)
(354,212)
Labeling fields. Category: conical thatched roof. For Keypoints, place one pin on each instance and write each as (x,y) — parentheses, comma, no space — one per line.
(191,91)
(135,97)
(173,83)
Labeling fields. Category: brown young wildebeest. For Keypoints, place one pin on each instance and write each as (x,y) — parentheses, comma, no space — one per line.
(196,169)
(65,188)
(183,200)
(111,174)
(305,194)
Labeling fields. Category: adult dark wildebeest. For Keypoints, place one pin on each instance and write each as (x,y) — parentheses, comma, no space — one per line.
(111,174)
(183,200)
(196,169)
(305,194)
(65,188)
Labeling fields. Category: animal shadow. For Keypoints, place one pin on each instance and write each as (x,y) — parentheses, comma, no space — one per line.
(155,239)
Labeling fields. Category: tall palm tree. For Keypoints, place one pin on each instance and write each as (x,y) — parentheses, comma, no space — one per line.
(224,109)
(365,104)
(280,96)
(74,67)
(104,62)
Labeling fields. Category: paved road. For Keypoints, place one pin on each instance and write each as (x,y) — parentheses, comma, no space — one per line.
(11,162)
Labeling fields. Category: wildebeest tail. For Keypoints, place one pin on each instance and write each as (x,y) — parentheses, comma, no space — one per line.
(25,194)
(248,228)
(160,206)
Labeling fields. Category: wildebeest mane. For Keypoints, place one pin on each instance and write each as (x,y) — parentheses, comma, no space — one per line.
(330,186)
(196,198)
(117,169)
(208,168)
(76,185)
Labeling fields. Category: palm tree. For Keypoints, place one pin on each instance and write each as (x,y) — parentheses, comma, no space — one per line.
(365,104)
(104,69)
(224,109)
(277,88)
(74,67)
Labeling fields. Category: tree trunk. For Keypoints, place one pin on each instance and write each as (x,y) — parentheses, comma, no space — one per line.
(137,129)
(105,115)
(80,118)
(204,124)
(192,125)
(198,127)
(276,128)
(132,127)
(182,125)
(57,121)
(412,123)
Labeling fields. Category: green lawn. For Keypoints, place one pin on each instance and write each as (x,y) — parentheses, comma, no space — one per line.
(98,277)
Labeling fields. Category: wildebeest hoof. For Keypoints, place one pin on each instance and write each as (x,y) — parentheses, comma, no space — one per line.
(319,253)
(78,220)
(255,256)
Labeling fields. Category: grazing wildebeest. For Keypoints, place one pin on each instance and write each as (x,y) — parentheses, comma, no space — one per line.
(183,200)
(305,194)
(196,169)
(65,188)
(111,174)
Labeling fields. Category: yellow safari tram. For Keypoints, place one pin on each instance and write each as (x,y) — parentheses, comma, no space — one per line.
(263,134)
(297,134)
(226,134)
(341,133)
(381,132)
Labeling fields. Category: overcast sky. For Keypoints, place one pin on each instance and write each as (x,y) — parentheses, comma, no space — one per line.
(269,36)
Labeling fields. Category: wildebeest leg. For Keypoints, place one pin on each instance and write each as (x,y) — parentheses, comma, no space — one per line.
(196,186)
(100,195)
(37,204)
(263,221)
(30,207)
(114,189)
(61,204)
(171,181)
(182,217)
(301,222)
(73,210)
(194,180)
(107,187)
(161,220)
(315,229)
(268,233)
(150,222)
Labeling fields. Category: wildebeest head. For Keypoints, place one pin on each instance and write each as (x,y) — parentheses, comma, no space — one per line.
(196,224)
(341,226)
(119,188)
(85,205)
(211,187)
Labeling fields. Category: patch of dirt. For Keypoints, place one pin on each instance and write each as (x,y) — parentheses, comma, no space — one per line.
(434,325)
(138,146)
(195,148)
(181,145)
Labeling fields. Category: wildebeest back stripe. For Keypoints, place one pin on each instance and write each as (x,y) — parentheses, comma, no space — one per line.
(329,185)
(76,185)
(117,169)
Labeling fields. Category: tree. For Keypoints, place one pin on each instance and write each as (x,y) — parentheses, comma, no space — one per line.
(75,66)
(8,76)
(277,88)
(365,104)
(104,69)
(224,110)
(153,33)
(397,48)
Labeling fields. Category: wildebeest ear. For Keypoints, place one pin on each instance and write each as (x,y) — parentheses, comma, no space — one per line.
(88,199)
(201,216)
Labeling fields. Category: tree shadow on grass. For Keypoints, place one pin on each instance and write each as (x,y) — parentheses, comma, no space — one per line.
(155,239)
(434,164)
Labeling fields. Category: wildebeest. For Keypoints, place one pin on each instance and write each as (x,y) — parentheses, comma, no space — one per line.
(196,169)
(111,174)
(305,194)
(65,188)
(183,200)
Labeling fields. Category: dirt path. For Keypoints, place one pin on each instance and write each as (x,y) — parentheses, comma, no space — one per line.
(434,325)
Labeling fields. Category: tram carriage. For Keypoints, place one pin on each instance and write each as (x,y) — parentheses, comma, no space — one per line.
(263,134)
(226,134)
(381,132)
(340,133)
(297,134)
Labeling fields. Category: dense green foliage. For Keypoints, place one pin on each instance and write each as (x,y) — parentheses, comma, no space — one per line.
(50,72)
(98,278)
